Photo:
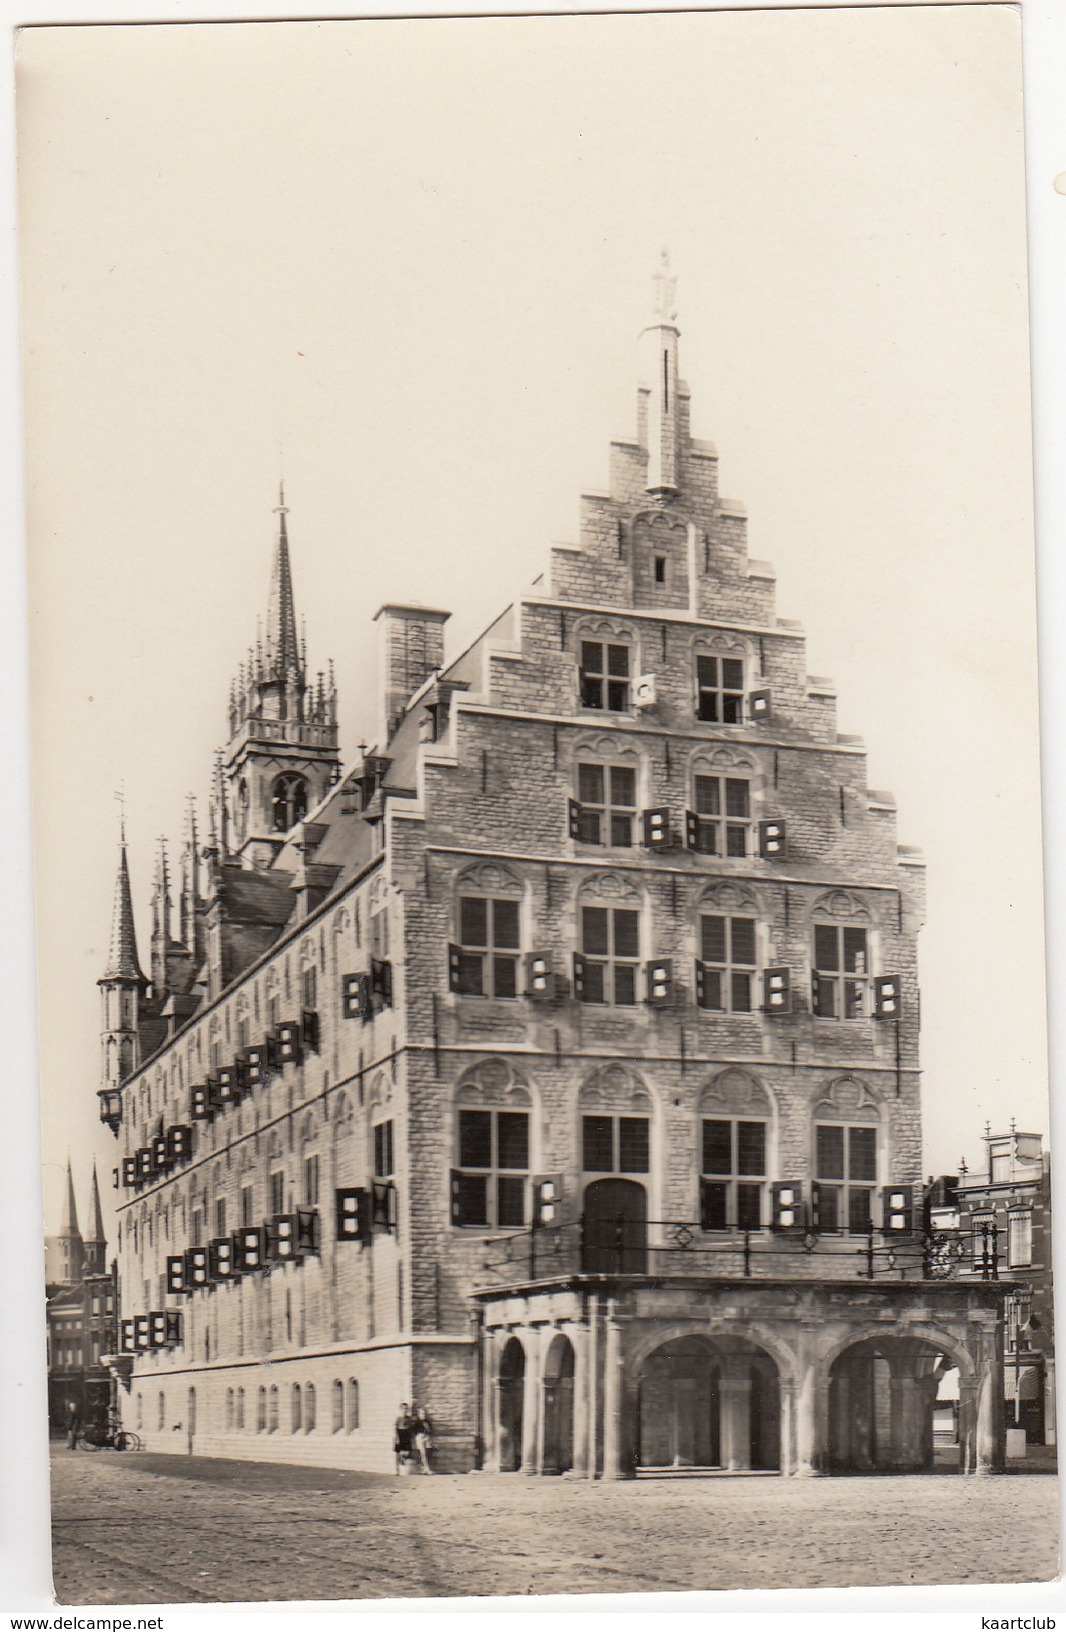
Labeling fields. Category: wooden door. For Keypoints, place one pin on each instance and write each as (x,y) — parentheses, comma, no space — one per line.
(614,1232)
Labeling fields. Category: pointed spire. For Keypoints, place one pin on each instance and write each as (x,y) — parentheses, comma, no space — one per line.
(122,960)
(282,651)
(96,1218)
(69,1223)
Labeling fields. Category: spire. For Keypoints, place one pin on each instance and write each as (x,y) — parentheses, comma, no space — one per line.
(122,961)
(69,1223)
(96,1218)
(281,648)
(659,339)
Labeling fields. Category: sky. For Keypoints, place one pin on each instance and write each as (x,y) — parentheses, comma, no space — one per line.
(406,263)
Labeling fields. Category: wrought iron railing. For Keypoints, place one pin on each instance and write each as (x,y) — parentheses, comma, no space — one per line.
(666,1248)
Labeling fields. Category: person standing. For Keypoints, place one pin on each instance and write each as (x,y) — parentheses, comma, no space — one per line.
(73,1423)
(404,1438)
(423,1437)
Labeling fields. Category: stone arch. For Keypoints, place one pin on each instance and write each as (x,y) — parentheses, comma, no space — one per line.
(724,760)
(924,1332)
(617,1086)
(839,904)
(729,896)
(380,1093)
(736,1091)
(850,1096)
(494,1082)
(490,878)
(751,1332)
(596,626)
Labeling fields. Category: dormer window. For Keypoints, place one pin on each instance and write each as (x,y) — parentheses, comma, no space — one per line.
(604,676)
(719,689)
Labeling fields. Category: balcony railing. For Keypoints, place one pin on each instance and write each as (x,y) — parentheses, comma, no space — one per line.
(672,1248)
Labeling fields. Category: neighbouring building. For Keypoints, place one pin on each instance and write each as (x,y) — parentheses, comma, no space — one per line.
(999,1222)
(80,1313)
(556,1066)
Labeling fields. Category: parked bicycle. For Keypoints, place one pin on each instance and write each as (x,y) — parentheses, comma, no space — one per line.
(110,1436)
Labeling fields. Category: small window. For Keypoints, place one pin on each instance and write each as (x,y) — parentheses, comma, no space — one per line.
(261,1411)
(272,1410)
(311,1175)
(610,947)
(277,1192)
(220,1216)
(846,1171)
(384,1159)
(248,1205)
(841,972)
(353,1405)
(492,1169)
(604,676)
(727,952)
(337,1395)
(488,947)
(161,1421)
(310,1409)
(240,1408)
(1019,1240)
(719,690)
(615,1144)
(297,1409)
(660,569)
(723,815)
(733,1170)
(607,804)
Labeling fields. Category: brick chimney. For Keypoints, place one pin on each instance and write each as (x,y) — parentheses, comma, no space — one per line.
(412,650)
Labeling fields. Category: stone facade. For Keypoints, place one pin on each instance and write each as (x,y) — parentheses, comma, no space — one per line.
(608,936)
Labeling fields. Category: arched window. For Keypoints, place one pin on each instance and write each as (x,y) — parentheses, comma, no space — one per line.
(606,967)
(338,1406)
(288,801)
(272,1411)
(240,1408)
(727,957)
(615,1112)
(605,668)
(846,1158)
(492,1137)
(261,1411)
(161,1421)
(720,821)
(484,961)
(353,1405)
(310,1409)
(840,958)
(296,1422)
(140,1412)
(734,1130)
(229,1409)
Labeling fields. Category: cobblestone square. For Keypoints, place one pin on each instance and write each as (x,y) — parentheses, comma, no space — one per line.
(153,1529)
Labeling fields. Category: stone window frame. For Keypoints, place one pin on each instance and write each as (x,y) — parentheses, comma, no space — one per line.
(495,1086)
(735,1095)
(843,910)
(849,1102)
(609,753)
(616,892)
(606,632)
(726,764)
(492,882)
(731,646)
(729,900)
(619,1090)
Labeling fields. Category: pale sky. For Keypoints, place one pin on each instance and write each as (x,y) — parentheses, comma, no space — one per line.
(416,255)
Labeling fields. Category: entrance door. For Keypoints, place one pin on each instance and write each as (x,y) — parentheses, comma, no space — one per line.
(614,1237)
(512,1387)
(559,1406)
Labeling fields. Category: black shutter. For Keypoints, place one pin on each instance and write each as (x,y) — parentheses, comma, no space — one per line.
(454,955)
(172,1318)
(383,1203)
(220,1258)
(656,828)
(758,706)
(538,976)
(288,1037)
(777,996)
(897,1210)
(692,830)
(701,985)
(180,1140)
(816,992)
(787,1205)
(309,1029)
(202,1109)
(352,996)
(381,980)
(125,1337)
(353,1215)
(579,976)
(573,818)
(547,1200)
(888,1004)
(660,977)
(176,1282)
(281,1238)
(773,841)
(308,1237)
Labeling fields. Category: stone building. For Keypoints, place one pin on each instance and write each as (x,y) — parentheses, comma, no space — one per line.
(555,1068)
(80,1312)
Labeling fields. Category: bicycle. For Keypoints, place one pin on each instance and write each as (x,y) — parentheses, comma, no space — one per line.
(112,1437)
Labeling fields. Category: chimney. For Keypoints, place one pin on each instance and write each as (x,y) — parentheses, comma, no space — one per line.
(412,650)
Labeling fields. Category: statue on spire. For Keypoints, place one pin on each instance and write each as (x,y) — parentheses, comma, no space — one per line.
(665,282)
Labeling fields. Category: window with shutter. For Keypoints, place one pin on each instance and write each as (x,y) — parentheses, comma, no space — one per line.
(610,955)
(490,1181)
(846,1171)
(606,805)
(719,689)
(841,984)
(721,820)
(734,1171)
(485,962)
(603,676)
(728,962)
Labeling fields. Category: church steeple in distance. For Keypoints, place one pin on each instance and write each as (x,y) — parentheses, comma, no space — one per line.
(282,756)
(95,1244)
(659,342)
(122,985)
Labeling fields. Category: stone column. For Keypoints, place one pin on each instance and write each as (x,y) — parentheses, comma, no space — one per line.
(967,1424)
(531,1405)
(1049,1400)
(613,1459)
(734,1386)
(593,1380)
(787,1431)
(578,1335)
(987,1459)
(491,1349)
(807,1420)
